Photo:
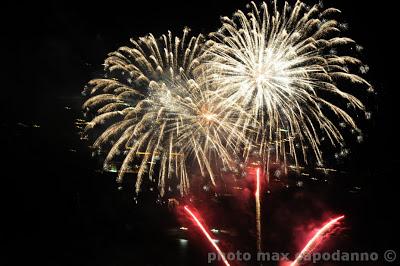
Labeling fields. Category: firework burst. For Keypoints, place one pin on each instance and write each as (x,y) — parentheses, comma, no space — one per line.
(149,113)
(270,83)
(291,69)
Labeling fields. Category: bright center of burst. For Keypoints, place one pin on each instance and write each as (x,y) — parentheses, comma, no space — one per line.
(272,70)
(208,118)
(206,115)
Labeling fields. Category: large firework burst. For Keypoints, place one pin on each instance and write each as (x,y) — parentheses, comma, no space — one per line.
(150,113)
(275,80)
(291,69)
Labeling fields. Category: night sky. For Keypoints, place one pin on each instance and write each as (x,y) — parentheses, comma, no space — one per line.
(60,211)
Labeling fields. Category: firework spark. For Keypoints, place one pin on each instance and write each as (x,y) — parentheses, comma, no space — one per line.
(289,69)
(315,240)
(154,59)
(204,231)
(151,113)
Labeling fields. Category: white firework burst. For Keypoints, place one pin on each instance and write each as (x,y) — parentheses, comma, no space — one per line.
(291,69)
(148,111)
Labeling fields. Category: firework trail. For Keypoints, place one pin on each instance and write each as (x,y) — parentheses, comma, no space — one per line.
(290,68)
(150,112)
(204,231)
(258,210)
(315,240)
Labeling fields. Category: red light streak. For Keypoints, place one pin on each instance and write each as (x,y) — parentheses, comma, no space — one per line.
(200,225)
(258,209)
(320,233)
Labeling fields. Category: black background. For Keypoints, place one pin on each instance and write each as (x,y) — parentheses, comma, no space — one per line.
(59,212)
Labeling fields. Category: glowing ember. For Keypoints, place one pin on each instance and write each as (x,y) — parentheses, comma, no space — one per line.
(201,226)
(315,239)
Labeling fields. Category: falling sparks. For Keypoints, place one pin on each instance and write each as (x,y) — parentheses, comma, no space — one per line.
(207,235)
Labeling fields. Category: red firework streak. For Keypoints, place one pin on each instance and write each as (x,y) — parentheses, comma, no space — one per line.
(315,239)
(204,231)
(258,210)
